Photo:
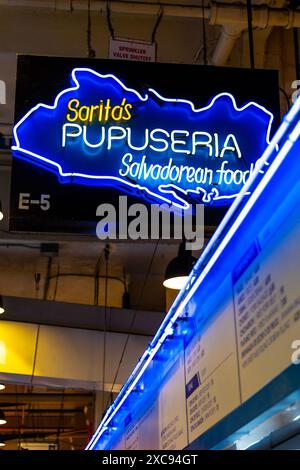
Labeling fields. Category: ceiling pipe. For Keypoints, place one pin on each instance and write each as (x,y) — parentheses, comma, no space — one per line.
(232,32)
(232,17)
(229,35)
(262,16)
(140,8)
(218,13)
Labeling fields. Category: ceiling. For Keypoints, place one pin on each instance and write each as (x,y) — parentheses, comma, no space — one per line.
(42,415)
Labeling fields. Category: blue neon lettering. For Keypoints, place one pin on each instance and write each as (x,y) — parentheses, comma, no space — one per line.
(157,139)
(202,142)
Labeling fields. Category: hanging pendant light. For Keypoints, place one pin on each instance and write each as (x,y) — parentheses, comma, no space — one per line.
(179,268)
(2,309)
(2,417)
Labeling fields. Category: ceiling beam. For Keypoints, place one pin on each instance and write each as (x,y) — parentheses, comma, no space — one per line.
(88,317)
(20,399)
(44,411)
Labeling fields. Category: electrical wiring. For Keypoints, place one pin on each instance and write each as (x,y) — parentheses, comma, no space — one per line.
(115,278)
(157,23)
(132,322)
(250,34)
(286,97)
(60,419)
(91,51)
(95,276)
(106,257)
(204,36)
(109,22)
(96,286)
(296,53)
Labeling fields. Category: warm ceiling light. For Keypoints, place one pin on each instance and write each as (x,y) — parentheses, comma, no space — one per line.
(179,268)
(2,386)
(2,309)
(176,282)
(1,213)
(2,444)
(2,417)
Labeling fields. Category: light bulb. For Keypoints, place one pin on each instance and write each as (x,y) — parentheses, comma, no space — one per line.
(176,282)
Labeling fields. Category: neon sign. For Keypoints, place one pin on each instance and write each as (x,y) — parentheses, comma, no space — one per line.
(99,132)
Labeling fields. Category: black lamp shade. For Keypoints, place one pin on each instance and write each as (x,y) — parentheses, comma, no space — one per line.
(181,266)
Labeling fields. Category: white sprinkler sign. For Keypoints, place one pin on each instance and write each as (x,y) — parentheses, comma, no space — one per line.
(120,49)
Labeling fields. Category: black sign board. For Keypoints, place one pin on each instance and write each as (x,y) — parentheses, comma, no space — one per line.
(54,190)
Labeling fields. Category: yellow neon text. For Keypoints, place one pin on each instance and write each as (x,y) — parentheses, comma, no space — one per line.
(102,112)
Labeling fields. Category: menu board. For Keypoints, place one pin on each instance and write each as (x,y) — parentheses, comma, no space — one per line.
(267,301)
(161,422)
(212,388)
(172,410)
